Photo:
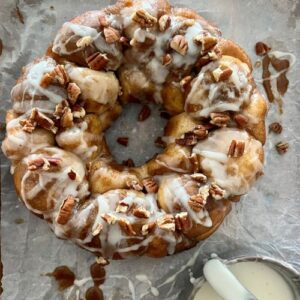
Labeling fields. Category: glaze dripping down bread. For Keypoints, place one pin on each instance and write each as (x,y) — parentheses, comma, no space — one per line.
(64,101)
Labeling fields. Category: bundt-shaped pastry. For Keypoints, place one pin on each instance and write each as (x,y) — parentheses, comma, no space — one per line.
(63,102)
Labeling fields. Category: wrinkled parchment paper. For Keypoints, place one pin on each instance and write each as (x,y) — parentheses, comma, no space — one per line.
(266,221)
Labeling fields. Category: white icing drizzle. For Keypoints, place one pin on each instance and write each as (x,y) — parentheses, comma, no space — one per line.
(216,163)
(101,87)
(78,135)
(209,94)
(174,191)
(31,86)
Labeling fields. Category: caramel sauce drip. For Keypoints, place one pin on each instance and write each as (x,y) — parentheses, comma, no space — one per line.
(266,78)
(63,276)
(94,293)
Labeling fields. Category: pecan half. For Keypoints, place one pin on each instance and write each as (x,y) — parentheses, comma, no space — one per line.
(111,35)
(236,148)
(126,227)
(73,92)
(219,119)
(282,147)
(28,125)
(148,228)
(97,230)
(179,44)
(261,48)
(59,109)
(222,73)
(150,185)
(164,23)
(216,192)
(275,127)
(141,212)
(197,202)
(65,211)
(144,19)
(241,120)
(166,222)
(97,61)
(144,113)
(182,221)
(206,42)
(123,141)
(66,119)
(103,21)
(84,41)
(166,59)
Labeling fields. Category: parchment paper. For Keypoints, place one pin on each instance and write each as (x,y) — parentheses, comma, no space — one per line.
(266,221)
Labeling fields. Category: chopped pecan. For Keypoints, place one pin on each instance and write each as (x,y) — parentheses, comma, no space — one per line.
(164,23)
(97,61)
(144,113)
(236,148)
(126,227)
(261,48)
(185,83)
(66,120)
(72,175)
(28,125)
(73,92)
(150,185)
(275,127)
(84,41)
(200,131)
(179,44)
(65,211)
(199,177)
(189,139)
(167,222)
(282,147)
(216,192)
(111,35)
(57,76)
(148,228)
(102,261)
(197,202)
(97,229)
(206,42)
(222,73)
(219,119)
(182,221)
(128,163)
(59,109)
(166,59)
(37,163)
(122,207)
(78,112)
(241,120)
(159,142)
(134,184)
(103,21)
(141,212)
(109,218)
(123,141)
(143,18)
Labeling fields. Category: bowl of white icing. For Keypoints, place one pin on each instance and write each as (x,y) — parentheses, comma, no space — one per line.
(263,278)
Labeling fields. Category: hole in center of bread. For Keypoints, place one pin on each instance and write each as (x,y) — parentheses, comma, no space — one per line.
(141,134)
